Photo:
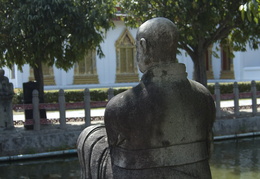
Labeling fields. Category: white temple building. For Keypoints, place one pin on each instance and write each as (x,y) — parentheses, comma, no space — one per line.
(119,68)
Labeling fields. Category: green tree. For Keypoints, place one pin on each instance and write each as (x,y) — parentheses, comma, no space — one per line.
(52,32)
(201,23)
(251,10)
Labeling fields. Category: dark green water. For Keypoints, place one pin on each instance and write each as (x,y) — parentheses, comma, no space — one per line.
(232,159)
(54,168)
(236,159)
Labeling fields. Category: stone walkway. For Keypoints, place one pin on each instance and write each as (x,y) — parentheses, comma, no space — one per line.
(69,114)
(242,102)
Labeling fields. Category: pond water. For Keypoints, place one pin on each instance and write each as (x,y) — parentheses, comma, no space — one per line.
(232,159)
(236,159)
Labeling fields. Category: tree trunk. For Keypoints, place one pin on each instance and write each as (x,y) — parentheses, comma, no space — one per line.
(199,73)
(38,75)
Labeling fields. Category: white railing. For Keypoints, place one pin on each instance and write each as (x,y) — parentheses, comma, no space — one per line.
(62,106)
(236,98)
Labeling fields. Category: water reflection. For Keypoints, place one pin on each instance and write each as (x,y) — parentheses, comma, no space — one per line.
(232,159)
(235,159)
(55,168)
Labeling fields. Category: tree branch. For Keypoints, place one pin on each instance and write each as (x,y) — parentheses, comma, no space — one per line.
(187,49)
(220,33)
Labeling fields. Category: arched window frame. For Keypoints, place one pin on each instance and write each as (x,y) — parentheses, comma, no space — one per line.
(126,70)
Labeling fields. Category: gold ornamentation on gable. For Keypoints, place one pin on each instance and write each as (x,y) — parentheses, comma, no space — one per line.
(126,39)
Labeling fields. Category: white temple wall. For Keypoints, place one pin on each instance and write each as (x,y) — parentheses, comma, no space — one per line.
(250,65)
(246,66)
(106,66)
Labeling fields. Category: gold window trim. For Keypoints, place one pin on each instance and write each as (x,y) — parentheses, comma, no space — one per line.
(87,78)
(208,63)
(126,42)
(226,73)
(48,79)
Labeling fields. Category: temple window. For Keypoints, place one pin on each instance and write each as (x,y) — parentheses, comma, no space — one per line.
(48,75)
(85,70)
(126,63)
(226,62)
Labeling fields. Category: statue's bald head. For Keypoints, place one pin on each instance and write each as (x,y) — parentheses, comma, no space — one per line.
(156,43)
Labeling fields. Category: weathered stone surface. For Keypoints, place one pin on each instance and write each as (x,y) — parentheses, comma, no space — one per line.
(162,123)
(49,138)
(162,128)
(6,96)
(94,154)
(236,126)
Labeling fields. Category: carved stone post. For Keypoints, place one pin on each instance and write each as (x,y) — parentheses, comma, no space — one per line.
(9,110)
(236,99)
(110,93)
(62,109)
(6,96)
(217,100)
(36,113)
(254,103)
(87,107)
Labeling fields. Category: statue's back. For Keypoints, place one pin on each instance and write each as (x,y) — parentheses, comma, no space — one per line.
(162,123)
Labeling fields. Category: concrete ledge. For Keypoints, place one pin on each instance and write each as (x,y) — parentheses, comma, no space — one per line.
(237,136)
(50,140)
(19,141)
(38,155)
(236,126)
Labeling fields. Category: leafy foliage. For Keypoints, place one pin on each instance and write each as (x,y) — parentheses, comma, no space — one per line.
(251,10)
(201,23)
(53,31)
(71,96)
(227,88)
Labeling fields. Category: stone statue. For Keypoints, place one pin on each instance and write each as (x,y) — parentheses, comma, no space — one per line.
(162,128)
(6,96)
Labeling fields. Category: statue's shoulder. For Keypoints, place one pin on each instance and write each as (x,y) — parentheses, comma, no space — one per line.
(199,88)
(204,94)
(120,103)
(119,100)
